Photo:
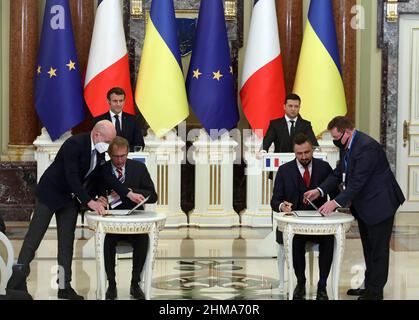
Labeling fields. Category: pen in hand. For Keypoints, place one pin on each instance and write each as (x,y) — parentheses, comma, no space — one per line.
(107,205)
(286,206)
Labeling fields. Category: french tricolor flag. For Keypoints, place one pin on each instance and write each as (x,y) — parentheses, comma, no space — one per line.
(262,90)
(272,163)
(108,65)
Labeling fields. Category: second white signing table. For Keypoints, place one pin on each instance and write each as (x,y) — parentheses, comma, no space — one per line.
(336,224)
(141,222)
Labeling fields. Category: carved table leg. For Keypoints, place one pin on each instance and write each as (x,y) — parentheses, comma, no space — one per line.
(288,235)
(100,264)
(337,260)
(150,261)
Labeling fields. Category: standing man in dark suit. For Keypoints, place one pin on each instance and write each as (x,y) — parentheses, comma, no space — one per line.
(126,125)
(59,191)
(134,176)
(293,179)
(282,131)
(373,195)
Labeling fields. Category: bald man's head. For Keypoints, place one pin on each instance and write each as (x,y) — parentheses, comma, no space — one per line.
(103,131)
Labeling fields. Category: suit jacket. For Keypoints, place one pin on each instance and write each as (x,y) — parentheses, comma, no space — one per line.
(136,177)
(130,128)
(278,134)
(65,177)
(2,225)
(371,188)
(289,185)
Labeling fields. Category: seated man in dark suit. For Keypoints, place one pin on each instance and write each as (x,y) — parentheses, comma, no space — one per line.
(292,180)
(126,124)
(133,175)
(282,131)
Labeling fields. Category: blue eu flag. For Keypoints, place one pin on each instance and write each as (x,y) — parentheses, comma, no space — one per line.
(210,81)
(58,89)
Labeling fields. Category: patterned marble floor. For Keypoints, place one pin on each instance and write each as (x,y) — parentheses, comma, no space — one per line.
(222,264)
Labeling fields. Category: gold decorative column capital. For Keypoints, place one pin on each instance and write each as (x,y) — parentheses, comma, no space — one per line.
(392,11)
(136,9)
(230,10)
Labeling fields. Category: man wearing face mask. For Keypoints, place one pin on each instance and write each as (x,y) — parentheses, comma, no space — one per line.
(59,191)
(371,191)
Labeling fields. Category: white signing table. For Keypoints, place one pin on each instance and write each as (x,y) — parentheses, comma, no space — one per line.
(337,224)
(142,222)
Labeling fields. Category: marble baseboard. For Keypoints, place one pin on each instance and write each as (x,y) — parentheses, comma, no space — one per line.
(17,190)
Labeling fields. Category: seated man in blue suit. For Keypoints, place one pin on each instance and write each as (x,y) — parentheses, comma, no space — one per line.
(373,195)
(126,125)
(134,176)
(292,180)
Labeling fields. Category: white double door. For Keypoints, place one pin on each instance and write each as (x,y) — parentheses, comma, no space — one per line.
(408,112)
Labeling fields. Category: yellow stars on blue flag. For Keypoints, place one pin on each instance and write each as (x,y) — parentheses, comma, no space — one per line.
(196,73)
(52,72)
(71,65)
(216,75)
(58,88)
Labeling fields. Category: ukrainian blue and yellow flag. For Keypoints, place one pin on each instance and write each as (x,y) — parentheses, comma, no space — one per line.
(319,74)
(160,93)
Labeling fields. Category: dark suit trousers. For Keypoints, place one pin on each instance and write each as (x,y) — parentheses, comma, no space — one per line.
(66,224)
(326,244)
(376,246)
(139,244)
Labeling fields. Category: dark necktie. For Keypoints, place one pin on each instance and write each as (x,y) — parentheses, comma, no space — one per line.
(345,159)
(120,175)
(306,177)
(292,129)
(117,125)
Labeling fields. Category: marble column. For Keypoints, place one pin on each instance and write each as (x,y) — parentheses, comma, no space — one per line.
(23,122)
(347,49)
(290,24)
(82,17)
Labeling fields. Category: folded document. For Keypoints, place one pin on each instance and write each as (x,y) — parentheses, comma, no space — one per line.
(127,211)
(307,213)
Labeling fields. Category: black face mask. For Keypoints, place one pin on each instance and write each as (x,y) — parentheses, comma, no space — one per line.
(338,143)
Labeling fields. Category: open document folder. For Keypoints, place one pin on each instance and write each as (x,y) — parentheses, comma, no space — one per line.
(307,213)
(127,212)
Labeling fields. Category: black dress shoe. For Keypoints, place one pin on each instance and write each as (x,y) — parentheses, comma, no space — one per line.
(371,296)
(12,294)
(69,293)
(356,292)
(299,292)
(111,293)
(136,292)
(322,294)
(16,288)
